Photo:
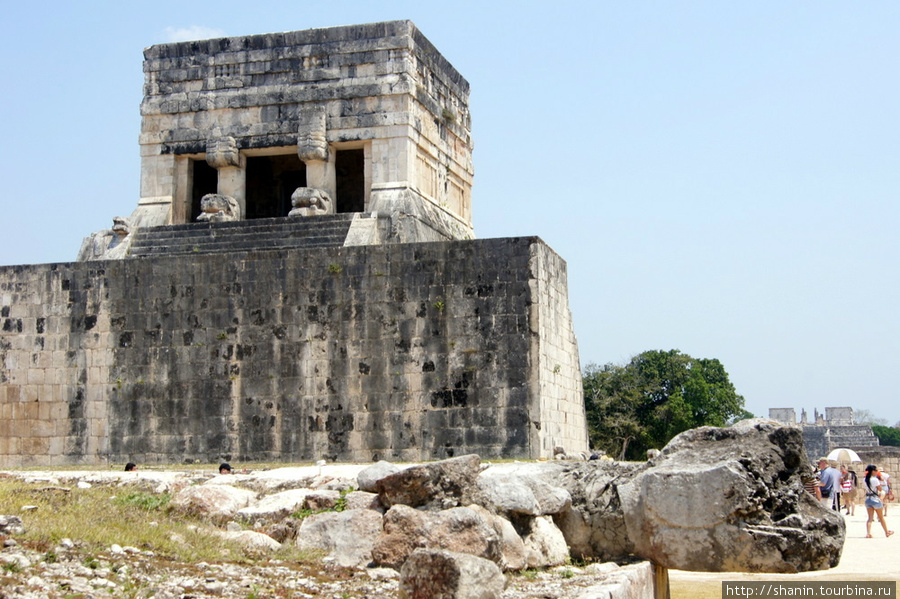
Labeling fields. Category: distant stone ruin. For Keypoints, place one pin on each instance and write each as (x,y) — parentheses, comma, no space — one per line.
(835,428)
(299,279)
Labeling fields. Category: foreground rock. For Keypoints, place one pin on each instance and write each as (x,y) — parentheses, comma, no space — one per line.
(458,530)
(348,537)
(712,500)
(715,499)
(430,573)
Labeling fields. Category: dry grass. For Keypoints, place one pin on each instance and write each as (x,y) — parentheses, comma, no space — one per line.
(101,516)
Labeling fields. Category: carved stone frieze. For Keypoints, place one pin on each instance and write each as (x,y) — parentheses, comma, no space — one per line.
(223,152)
(312,145)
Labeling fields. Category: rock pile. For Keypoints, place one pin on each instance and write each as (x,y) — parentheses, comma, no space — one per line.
(712,500)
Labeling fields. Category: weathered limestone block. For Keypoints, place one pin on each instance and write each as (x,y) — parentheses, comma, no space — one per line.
(514,494)
(545,545)
(512,547)
(312,144)
(349,536)
(219,208)
(368,478)
(715,499)
(457,529)
(217,503)
(251,541)
(362,500)
(223,152)
(436,485)
(274,507)
(634,581)
(323,499)
(430,573)
(309,201)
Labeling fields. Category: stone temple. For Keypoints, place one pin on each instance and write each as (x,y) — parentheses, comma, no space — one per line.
(834,429)
(299,280)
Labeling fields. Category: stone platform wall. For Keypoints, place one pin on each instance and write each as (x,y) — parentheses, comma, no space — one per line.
(412,352)
(886,458)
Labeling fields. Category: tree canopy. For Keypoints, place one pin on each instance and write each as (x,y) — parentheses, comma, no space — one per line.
(887,435)
(657,395)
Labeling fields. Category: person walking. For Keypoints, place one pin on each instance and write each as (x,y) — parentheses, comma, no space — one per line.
(830,481)
(849,484)
(888,489)
(874,506)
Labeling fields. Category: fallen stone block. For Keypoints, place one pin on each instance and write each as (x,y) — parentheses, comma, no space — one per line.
(439,485)
(349,537)
(433,573)
(458,529)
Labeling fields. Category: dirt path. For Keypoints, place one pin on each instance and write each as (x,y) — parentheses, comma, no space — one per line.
(877,558)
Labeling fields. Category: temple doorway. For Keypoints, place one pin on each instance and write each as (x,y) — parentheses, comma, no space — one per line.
(270,182)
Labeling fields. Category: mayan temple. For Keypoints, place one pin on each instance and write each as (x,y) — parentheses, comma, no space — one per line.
(299,279)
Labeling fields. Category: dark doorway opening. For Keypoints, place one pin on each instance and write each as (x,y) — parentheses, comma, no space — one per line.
(270,182)
(204,180)
(349,166)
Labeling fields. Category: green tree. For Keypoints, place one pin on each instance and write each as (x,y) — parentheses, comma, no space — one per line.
(657,395)
(744,415)
(887,435)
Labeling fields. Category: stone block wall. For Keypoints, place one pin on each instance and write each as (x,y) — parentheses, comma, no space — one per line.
(398,352)
(886,458)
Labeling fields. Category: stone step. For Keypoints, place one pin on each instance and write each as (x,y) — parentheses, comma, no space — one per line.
(247,227)
(270,233)
(145,238)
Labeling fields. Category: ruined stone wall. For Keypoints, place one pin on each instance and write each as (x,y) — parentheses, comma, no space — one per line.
(886,458)
(412,352)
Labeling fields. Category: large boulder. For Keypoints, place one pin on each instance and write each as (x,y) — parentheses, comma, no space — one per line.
(516,493)
(459,529)
(714,500)
(217,503)
(430,573)
(512,547)
(349,537)
(439,485)
(545,545)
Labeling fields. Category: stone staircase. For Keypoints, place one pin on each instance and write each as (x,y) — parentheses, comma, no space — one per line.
(260,234)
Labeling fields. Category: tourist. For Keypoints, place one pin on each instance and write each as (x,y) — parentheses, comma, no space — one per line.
(224,468)
(130,467)
(872,485)
(849,488)
(811,483)
(888,489)
(830,483)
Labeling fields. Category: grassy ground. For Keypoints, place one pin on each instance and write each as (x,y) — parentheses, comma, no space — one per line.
(101,516)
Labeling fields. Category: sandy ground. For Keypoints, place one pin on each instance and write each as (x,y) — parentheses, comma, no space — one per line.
(877,558)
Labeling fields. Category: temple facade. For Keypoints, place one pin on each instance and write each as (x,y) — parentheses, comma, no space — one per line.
(299,279)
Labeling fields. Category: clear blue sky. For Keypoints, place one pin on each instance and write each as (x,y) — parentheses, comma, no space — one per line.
(721,177)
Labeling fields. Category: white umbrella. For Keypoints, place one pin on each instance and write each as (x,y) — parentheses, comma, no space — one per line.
(842,454)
